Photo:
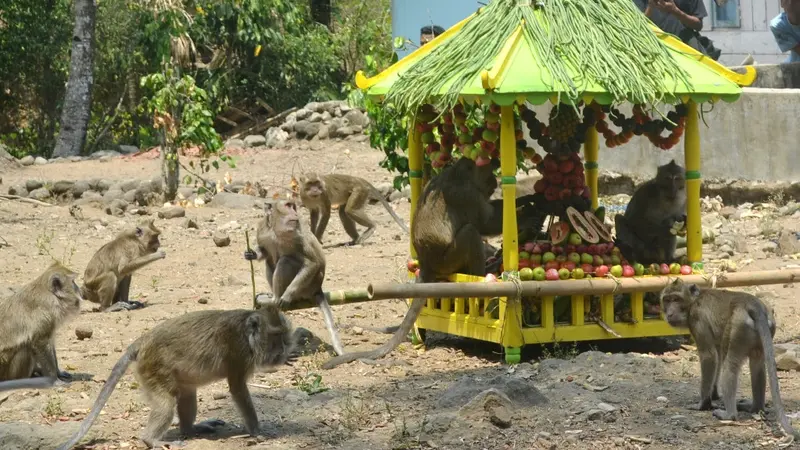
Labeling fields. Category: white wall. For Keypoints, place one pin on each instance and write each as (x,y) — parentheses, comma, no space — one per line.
(752,36)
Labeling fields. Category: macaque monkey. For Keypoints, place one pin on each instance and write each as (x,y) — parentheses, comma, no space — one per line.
(107,279)
(181,354)
(728,327)
(295,263)
(320,193)
(453,214)
(29,319)
(646,233)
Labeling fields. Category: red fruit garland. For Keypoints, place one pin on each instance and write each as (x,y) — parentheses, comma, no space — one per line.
(641,124)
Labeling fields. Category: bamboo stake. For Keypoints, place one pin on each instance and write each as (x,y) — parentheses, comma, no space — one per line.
(252,269)
(594,286)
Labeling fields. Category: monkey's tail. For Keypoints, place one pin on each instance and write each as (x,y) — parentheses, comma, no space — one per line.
(761,318)
(28,383)
(377,194)
(116,373)
(385,349)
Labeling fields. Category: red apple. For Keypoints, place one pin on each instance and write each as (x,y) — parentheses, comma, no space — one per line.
(664,269)
(686,270)
(569,265)
(601,271)
(587,268)
(529,246)
(628,271)
(551,274)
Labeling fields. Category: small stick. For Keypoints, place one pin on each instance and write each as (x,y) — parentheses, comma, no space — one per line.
(24,200)
(252,269)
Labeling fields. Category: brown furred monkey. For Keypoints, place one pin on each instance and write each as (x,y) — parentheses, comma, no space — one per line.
(29,321)
(107,279)
(453,213)
(320,193)
(193,350)
(728,327)
(645,233)
(295,263)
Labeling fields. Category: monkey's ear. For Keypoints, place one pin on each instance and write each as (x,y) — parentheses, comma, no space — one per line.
(139,232)
(694,290)
(56,283)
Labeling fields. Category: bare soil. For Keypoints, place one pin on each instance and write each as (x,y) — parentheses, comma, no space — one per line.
(631,394)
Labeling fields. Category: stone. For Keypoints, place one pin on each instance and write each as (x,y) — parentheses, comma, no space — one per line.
(189,223)
(301,114)
(359,137)
(103,185)
(326,116)
(171,212)
(235,201)
(39,161)
(107,154)
(221,239)
(727,212)
(315,117)
(157,185)
(324,132)
(356,117)
(358,331)
(275,137)
(186,191)
(79,188)
(62,187)
(235,143)
(344,131)
(129,197)
(111,195)
(788,243)
(18,190)
(32,185)
(305,129)
(769,247)
(255,140)
(118,203)
(202,300)
(129,185)
(39,194)
(492,403)
(26,160)
(357,129)
(104,159)
(128,149)
(83,332)
(75,159)
(727,249)
(143,192)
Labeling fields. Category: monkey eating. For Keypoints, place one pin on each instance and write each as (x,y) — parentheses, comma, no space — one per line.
(107,279)
(646,233)
(30,318)
(320,193)
(728,327)
(181,354)
(295,263)
(453,214)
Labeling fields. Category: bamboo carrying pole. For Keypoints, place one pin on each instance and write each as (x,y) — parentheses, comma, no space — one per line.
(593,286)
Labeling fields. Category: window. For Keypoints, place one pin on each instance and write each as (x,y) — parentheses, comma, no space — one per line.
(725,13)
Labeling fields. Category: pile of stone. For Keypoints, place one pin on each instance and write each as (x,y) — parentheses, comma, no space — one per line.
(315,121)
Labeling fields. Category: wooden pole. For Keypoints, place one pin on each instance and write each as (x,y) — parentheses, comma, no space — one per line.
(691,155)
(593,286)
(415,161)
(591,150)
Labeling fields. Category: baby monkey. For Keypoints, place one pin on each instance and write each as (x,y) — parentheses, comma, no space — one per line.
(192,350)
(320,193)
(728,327)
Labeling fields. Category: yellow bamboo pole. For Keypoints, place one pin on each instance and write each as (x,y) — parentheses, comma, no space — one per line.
(691,154)
(591,150)
(414,173)
(512,319)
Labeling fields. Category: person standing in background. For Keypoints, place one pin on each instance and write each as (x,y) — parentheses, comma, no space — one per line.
(428,33)
(785,28)
(682,18)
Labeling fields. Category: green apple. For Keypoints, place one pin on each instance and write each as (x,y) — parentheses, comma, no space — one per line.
(577,273)
(524,255)
(536,258)
(587,258)
(615,260)
(574,257)
(675,269)
(638,269)
(526,274)
(563,273)
(575,239)
(548,256)
(538,273)
(616,270)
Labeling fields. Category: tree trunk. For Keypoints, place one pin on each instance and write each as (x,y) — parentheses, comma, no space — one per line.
(78,99)
(170,170)
(321,11)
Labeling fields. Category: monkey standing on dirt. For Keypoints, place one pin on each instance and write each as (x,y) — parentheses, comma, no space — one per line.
(728,328)
(646,233)
(181,354)
(107,279)
(453,213)
(28,322)
(320,193)
(295,263)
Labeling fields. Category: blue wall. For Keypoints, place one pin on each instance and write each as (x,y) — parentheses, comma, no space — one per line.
(408,16)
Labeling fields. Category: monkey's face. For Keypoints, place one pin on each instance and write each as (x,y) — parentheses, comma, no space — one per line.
(148,236)
(283,214)
(64,287)
(676,299)
(313,188)
(672,180)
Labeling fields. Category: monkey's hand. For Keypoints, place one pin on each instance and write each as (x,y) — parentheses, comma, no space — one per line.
(286,299)
(678,228)
(250,255)
(161,254)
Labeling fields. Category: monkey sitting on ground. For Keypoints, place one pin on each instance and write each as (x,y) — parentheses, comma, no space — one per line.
(320,193)
(295,263)
(728,327)
(29,321)
(181,354)
(453,214)
(107,279)
(646,233)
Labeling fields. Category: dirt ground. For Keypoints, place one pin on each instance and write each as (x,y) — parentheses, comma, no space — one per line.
(632,394)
